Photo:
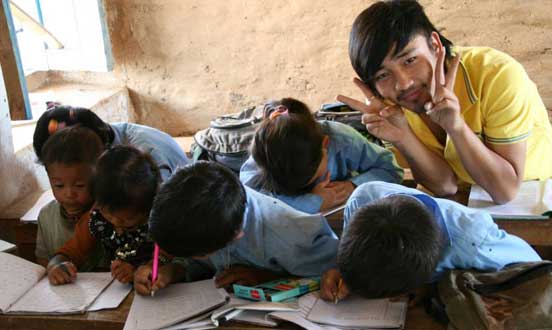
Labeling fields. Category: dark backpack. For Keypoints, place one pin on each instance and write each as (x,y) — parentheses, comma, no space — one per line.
(342,113)
(228,138)
(517,297)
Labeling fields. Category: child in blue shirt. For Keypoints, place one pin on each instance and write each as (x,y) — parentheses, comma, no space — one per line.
(312,165)
(203,213)
(397,239)
(166,153)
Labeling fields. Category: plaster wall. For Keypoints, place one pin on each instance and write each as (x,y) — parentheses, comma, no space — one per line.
(186,61)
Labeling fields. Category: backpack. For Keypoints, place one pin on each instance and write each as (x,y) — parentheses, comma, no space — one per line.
(517,297)
(228,138)
(342,113)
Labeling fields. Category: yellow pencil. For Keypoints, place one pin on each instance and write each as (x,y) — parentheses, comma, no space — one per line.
(336,294)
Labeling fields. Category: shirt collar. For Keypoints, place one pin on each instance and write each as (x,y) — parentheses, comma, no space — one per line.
(433,207)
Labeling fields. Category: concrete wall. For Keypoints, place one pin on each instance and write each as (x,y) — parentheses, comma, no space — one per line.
(185,61)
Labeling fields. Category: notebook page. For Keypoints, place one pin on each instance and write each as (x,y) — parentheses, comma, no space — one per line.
(306,303)
(526,202)
(359,312)
(17,276)
(176,303)
(112,297)
(546,196)
(63,299)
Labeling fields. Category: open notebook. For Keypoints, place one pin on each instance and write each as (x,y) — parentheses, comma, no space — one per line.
(533,201)
(351,313)
(197,305)
(25,289)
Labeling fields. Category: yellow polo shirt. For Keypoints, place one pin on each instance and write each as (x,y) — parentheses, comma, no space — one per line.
(501,105)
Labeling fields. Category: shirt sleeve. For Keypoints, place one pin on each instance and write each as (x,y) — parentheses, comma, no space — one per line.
(250,173)
(303,245)
(507,106)
(500,249)
(371,162)
(79,247)
(41,251)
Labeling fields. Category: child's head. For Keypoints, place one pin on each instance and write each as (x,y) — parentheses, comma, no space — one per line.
(60,117)
(124,186)
(289,148)
(69,157)
(391,247)
(198,211)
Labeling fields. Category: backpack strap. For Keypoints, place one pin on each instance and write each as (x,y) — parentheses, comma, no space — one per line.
(537,270)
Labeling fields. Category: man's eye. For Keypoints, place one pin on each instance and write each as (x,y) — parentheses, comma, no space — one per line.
(58,186)
(410,60)
(381,76)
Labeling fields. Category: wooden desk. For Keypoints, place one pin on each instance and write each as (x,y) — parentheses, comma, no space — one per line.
(416,319)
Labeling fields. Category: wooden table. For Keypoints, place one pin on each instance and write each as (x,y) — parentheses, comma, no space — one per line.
(416,319)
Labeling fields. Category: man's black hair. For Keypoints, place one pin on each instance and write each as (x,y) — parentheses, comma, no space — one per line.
(391,247)
(288,148)
(126,178)
(69,116)
(382,26)
(198,211)
(72,145)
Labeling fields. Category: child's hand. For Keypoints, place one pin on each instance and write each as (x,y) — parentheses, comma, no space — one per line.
(346,186)
(332,194)
(244,275)
(142,278)
(122,271)
(332,287)
(62,273)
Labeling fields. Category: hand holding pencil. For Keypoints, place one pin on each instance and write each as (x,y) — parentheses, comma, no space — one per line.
(332,287)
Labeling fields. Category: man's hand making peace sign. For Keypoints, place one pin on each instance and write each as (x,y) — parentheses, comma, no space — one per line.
(444,109)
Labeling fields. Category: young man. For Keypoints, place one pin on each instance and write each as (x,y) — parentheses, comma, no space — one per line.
(204,214)
(472,115)
(396,239)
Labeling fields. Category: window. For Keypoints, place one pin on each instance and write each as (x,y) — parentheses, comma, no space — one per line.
(80,27)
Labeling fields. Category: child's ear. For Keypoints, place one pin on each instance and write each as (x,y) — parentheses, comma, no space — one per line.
(325,141)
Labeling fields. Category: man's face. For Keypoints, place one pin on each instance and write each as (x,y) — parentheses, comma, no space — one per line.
(407,78)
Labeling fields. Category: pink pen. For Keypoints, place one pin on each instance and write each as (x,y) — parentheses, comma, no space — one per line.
(155,266)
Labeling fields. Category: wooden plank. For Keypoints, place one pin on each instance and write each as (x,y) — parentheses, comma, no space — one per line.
(13,78)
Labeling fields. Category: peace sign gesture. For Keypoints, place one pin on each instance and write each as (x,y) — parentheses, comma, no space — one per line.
(444,108)
(382,120)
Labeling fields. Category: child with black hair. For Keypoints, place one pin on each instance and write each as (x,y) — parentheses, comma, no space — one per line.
(163,149)
(124,186)
(397,239)
(203,213)
(312,165)
(69,167)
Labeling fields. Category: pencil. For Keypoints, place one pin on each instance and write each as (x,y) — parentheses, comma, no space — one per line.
(336,294)
(155,269)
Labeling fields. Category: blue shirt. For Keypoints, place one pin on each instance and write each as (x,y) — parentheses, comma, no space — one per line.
(474,240)
(277,238)
(350,157)
(164,150)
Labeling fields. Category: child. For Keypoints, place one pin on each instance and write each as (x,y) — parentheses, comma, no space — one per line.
(69,167)
(312,166)
(124,186)
(164,150)
(397,239)
(204,213)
